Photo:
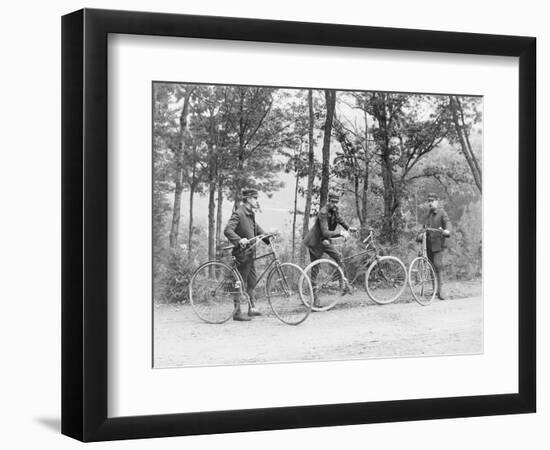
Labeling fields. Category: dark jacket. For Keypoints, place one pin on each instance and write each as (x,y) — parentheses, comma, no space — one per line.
(242,224)
(437,219)
(324,227)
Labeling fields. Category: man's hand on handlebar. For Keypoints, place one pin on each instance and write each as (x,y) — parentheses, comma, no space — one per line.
(445,233)
(244,242)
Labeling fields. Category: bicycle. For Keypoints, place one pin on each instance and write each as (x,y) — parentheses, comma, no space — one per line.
(215,285)
(421,275)
(385,276)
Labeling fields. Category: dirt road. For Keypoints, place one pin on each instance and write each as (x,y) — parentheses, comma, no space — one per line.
(354,329)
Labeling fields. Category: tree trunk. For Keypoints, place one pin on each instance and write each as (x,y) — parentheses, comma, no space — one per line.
(391,203)
(190,238)
(357,198)
(238,185)
(330,98)
(211,219)
(364,201)
(364,198)
(470,157)
(388,225)
(212,184)
(475,163)
(294,215)
(176,210)
(219,214)
(310,176)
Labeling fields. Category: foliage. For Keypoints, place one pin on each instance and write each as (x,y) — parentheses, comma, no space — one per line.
(387,151)
(465,257)
(174,267)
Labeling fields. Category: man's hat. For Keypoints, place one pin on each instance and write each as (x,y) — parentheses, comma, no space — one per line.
(249,193)
(433,196)
(333,196)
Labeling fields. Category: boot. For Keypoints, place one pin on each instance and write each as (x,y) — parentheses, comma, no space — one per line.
(238,314)
(252,310)
(316,301)
(346,288)
(440,294)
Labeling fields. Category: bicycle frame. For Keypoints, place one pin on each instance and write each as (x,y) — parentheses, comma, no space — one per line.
(421,271)
(274,262)
(370,247)
(370,262)
(424,249)
(424,246)
(280,287)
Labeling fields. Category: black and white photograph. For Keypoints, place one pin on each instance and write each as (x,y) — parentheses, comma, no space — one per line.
(271,225)
(305,224)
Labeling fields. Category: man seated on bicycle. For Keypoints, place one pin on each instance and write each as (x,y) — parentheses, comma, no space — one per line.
(239,230)
(317,239)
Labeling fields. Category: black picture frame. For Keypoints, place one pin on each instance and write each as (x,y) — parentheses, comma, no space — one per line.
(84,224)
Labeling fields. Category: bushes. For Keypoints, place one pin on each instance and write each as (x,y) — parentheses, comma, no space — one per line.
(173,267)
(462,259)
(464,256)
(173,276)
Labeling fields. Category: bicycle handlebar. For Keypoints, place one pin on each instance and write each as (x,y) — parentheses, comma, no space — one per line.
(364,241)
(261,237)
(439,230)
(370,236)
(445,233)
(342,237)
(252,242)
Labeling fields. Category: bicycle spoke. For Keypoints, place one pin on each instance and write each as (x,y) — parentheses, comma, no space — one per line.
(327,281)
(386,279)
(422,281)
(213,291)
(287,287)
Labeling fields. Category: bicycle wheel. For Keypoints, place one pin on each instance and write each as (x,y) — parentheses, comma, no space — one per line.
(386,279)
(422,280)
(327,280)
(213,289)
(289,293)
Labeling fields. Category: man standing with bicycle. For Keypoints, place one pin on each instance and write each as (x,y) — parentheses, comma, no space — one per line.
(239,230)
(436,241)
(317,239)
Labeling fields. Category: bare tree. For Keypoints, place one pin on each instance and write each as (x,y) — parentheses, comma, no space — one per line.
(310,172)
(330,98)
(462,133)
(179,172)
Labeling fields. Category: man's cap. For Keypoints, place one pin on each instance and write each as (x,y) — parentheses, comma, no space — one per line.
(333,196)
(245,193)
(433,196)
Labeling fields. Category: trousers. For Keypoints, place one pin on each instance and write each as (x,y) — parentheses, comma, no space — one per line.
(316,253)
(436,258)
(247,268)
